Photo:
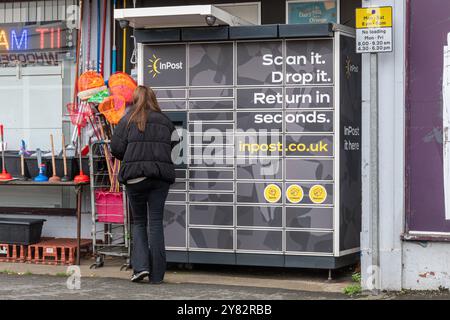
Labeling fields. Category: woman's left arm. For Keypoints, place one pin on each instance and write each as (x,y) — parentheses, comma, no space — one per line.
(119,140)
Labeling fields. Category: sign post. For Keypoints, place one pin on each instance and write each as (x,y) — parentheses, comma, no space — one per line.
(374,35)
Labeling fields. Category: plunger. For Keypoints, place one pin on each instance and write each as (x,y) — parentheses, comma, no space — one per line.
(81,177)
(23,151)
(54,177)
(41,177)
(4,176)
(65,178)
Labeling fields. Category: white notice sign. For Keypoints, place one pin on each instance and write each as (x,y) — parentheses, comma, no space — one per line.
(374,30)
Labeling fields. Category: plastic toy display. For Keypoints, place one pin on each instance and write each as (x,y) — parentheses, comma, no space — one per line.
(113,108)
(123,85)
(89,84)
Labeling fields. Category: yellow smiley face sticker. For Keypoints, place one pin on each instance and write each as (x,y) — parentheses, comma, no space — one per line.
(272,193)
(318,194)
(294,193)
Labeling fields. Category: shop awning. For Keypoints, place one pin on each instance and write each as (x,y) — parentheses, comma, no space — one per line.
(178,16)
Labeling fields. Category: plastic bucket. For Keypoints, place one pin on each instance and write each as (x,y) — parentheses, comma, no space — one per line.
(109,206)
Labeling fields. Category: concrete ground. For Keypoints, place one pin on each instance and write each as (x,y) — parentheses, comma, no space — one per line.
(278,278)
(28,281)
(54,288)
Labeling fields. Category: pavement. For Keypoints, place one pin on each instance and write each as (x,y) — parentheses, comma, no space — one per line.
(31,281)
(32,287)
(199,282)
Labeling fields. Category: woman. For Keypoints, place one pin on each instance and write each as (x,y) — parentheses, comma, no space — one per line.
(143,142)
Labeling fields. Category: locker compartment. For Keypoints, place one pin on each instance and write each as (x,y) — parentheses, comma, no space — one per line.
(175,225)
(211,186)
(259,216)
(263,240)
(314,242)
(211,197)
(210,93)
(259,169)
(211,238)
(309,169)
(313,218)
(208,104)
(208,215)
(176,197)
(218,174)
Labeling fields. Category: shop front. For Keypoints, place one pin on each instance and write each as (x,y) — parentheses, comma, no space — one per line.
(267,100)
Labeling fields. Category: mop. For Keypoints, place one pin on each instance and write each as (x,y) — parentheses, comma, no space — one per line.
(4,176)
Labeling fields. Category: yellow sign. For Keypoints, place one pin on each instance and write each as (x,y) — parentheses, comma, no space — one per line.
(294,193)
(379,17)
(318,194)
(272,193)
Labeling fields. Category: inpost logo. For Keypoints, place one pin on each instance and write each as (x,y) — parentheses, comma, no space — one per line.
(157,65)
(350,68)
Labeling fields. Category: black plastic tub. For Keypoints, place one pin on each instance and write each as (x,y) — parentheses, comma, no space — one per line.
(20,231)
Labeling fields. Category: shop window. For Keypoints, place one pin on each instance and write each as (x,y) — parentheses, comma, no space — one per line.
(249,11)
(312,11)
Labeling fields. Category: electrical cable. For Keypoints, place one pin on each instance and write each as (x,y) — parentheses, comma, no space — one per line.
(133,55)
(114,49)
(99,31)
(124,52)
(105,12)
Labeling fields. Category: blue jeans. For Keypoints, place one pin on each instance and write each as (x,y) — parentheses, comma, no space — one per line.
(147,200)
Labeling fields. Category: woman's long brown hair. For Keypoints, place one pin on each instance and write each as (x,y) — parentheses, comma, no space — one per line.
(144,100)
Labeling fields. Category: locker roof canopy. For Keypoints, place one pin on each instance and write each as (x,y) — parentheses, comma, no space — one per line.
(178,16)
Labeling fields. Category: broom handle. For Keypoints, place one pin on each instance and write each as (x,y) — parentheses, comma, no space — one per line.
(22,165)
(3,148)
(53,155)
(64,155)
(106,151)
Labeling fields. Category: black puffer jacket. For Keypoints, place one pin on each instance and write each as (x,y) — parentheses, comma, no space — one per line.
(145,154)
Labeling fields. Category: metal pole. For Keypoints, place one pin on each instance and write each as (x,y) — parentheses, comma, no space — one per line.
(79,190)
(374,171)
